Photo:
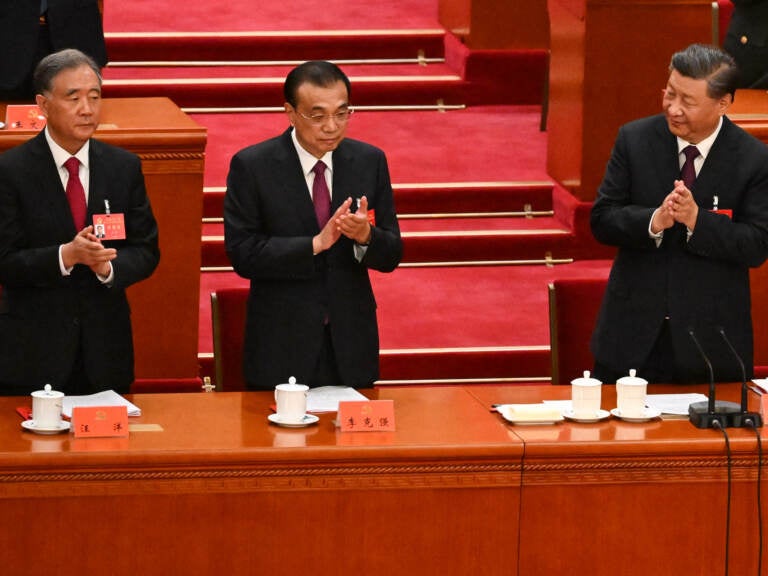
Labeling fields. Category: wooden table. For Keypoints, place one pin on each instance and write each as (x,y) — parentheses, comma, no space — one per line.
(205,485)
(220,491)
(625,498)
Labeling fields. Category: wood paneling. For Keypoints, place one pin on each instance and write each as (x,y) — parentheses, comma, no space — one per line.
(609,63)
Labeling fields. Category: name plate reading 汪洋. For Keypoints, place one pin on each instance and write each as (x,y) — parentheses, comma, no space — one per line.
(366,416)
(100,421)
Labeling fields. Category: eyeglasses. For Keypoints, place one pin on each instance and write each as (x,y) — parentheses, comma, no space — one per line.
(341,117)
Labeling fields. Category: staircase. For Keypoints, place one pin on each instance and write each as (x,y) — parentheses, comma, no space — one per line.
(467,158)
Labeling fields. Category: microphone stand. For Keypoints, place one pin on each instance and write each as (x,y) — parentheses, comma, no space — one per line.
(744,418)
(706,414)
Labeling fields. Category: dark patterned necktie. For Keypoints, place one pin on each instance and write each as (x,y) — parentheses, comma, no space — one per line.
(76,193)
(688,172)
(321,197)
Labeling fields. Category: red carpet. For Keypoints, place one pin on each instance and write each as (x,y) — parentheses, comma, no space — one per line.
(244,15)
(478,144)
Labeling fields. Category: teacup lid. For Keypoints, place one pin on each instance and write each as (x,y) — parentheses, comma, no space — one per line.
(293,385)
(47,392)
(632,379)
(586,380)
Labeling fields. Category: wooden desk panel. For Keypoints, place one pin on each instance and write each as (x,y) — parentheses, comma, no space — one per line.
(221,491)
(616,497)
(608,64)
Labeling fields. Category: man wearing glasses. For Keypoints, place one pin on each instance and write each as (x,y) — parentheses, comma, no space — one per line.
(306,214)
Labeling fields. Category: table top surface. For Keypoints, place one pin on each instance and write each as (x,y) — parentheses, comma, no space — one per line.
(450,422)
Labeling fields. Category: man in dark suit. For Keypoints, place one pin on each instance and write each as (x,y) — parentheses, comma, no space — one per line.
(747,41)
(311,310)
(64,316)
(32,29)
(684,249)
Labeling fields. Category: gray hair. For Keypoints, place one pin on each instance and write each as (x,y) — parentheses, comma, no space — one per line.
(53,64)
(710,63)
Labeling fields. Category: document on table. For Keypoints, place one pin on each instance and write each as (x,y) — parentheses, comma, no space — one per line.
(106,398)
(327,398)
(673,403)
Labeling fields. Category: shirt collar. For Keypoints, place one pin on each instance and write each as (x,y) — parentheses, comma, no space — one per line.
(60,155)
(705,145)
(307,160)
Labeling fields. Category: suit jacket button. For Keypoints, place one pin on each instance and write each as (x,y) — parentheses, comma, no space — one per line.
(744,39)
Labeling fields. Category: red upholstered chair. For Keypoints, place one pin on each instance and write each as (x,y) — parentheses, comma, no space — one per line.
(722,18)
(573,307)
(228,306)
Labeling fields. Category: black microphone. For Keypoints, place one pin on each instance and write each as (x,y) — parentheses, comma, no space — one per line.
(740,419)
(705,414)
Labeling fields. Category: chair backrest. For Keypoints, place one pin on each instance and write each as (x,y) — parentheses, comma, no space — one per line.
(573,307)
(228,308)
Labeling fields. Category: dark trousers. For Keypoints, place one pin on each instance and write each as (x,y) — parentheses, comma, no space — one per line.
(659,367)
(326,371)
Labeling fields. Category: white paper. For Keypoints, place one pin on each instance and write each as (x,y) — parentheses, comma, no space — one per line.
(762,383)
(106,398)
(673,403)
(327,398)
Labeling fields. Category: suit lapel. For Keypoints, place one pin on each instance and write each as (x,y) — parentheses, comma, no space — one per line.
(666,158)
(713,177)
(344,176)
(291,178)
(97,181)
(52,195)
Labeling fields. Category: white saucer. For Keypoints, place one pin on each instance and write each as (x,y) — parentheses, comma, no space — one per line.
(30,425)
(530,421)
(601,415)
(648,414)
(306,420)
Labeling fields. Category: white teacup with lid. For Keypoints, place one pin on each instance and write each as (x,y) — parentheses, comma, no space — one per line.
(46,408)
(291,400)
(586,394)
(630,395)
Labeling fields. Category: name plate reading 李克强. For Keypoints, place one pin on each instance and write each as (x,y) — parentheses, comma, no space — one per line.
(100,421)
(366,416)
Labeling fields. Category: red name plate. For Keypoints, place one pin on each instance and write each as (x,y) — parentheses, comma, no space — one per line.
(366,416)
(23,117)
(100,421)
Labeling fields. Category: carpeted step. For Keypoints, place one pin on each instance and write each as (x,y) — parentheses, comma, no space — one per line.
(237,89)
(480,79)
(443,198)
(483,144)
(449,241)
(282,45)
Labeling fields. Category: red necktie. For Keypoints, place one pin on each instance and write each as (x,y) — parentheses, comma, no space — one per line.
(320,195)
(688,172)
(76,193)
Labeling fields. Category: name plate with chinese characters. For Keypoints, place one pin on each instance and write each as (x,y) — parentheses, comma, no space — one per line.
(24,117)
(366,416)
(100,421)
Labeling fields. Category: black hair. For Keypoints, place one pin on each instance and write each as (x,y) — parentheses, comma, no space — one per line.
(315,72)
